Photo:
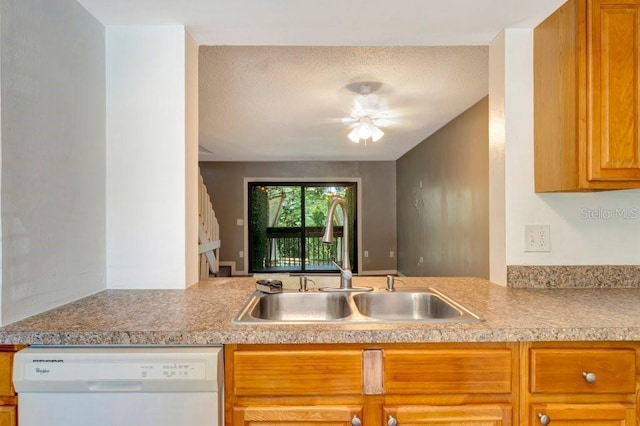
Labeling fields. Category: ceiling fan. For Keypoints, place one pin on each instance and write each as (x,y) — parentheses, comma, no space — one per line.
(368,114)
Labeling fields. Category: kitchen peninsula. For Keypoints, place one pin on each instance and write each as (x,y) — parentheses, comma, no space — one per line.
(202,314)
(537,354)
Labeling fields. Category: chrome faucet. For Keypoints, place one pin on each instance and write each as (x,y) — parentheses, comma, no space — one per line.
(346,274)
(345,271)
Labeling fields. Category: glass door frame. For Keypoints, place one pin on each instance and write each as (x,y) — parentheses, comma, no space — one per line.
(356,260)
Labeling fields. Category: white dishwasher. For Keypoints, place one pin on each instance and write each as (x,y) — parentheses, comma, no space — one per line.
(119,386)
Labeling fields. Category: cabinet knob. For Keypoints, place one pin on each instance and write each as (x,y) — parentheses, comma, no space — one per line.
(392,421)
(355,421)
(589,377)
(544,419)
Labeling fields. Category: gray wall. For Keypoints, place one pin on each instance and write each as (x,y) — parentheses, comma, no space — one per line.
(225,183)
(442,200)
(53,155)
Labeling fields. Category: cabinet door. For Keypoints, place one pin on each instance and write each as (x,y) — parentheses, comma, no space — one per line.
(613,55)
(610,414)
(8,415)
(6,363)
(332,415)
(462,415)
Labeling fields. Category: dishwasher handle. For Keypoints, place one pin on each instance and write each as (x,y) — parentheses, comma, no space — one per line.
(115,386)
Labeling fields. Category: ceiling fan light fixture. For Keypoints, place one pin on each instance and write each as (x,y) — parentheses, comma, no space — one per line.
(365,130)
(353,135)
(376,133)
(367,108)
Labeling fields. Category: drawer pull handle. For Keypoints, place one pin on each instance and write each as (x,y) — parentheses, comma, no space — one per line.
(544,419)
(589,377)
(392,421)
(355,421)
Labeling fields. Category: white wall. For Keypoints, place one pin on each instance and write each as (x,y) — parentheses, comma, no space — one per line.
(146,157)
(53,146)
(586,228)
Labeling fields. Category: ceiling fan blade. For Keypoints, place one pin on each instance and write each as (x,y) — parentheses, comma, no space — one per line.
(349,120)
(384,121)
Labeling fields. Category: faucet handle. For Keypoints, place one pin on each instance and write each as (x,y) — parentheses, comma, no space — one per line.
(346,274)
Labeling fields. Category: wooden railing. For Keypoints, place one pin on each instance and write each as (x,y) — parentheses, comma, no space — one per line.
(208,233)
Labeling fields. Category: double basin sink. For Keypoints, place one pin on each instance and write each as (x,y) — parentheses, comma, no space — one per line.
(293,307)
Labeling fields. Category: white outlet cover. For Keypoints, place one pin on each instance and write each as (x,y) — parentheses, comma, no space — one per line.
(537,238)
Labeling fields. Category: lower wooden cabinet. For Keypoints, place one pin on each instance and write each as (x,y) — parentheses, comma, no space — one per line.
(8,398)
(322,415)
(363,385)
(8,415)
(468,415)
(471,384)
(583,383)
(602,414)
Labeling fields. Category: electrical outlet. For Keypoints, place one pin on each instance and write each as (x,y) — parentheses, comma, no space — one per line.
(366,253)
(391,254)
(241,254)
(239,222)
(537,238)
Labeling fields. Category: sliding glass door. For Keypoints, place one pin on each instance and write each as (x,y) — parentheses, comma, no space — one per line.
(286,223)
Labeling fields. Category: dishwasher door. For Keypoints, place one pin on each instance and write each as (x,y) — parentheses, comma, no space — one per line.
(107,386)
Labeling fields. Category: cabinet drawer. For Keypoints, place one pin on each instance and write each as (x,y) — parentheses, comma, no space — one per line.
(414,372)
(563,370)
(312,372)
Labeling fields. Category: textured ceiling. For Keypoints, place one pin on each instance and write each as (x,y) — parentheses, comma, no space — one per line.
(286,103)
(261,98)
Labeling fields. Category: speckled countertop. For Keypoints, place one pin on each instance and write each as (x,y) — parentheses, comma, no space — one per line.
(202,314)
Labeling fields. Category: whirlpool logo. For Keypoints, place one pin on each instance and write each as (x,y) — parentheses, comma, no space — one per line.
(43,370)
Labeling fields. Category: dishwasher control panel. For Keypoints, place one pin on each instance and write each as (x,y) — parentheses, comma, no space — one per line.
(118,369)
(61,369)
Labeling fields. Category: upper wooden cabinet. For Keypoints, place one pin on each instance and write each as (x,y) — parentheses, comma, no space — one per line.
(587,97)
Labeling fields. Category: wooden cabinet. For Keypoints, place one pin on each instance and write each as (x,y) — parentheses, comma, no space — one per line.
(452,415)
(8,399)
(419,384)
(587,97)
(450,385)
(293,385)
(323,415)
(529,383)
(579,383)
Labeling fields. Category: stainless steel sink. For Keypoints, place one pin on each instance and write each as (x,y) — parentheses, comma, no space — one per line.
(295,307)
(291,307)
(412,306)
